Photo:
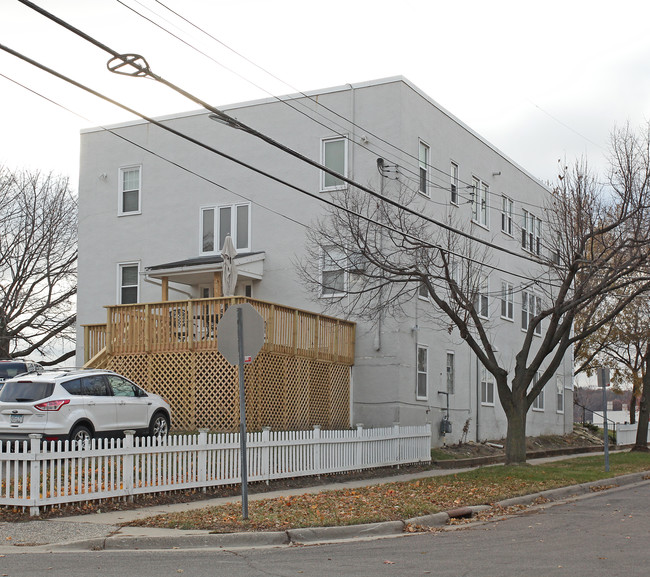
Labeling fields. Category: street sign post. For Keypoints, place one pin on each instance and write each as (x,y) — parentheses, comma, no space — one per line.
(603,382)
(240,337)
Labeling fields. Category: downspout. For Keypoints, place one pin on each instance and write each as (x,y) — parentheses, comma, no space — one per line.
(350,153)
(377,341)
(351,171)
(353,135)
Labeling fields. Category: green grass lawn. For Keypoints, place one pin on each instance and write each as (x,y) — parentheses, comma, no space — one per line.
(402,500)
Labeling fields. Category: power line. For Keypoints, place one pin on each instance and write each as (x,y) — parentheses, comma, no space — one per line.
(157,155)
(415,174)
(140,68)
(237,161)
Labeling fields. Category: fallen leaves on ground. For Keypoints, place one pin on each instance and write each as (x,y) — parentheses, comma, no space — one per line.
(388,502)
(393,501)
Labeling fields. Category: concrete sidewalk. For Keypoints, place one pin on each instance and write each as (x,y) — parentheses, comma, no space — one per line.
(100,531)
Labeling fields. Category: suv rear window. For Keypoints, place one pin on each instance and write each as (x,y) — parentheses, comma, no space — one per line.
(25,391)
(9,370)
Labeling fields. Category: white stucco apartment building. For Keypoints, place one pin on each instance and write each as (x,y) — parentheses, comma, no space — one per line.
(152,204)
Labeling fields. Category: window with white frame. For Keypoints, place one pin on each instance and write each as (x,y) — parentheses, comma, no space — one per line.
(130,186)
(559,383)
(538,402)
(480,192)
(507,207)
(481,298)
(451,372)
(531,232)
(487,387)
(333,274)
(454,183)
(334,155)
(129,283)
(423,156)
(422,385)
(531,306)
(217,222)
(507,301)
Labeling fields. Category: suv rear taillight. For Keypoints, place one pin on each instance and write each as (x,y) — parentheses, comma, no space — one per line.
(51,405)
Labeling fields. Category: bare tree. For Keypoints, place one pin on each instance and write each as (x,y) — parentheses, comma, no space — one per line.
(596,252)
(622,344)
(38,256)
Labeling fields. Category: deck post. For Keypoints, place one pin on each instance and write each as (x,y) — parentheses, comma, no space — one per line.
(336,341)
(147,328)
(86,344)
(109,331)
(270,330)
(295,332)
(216,282)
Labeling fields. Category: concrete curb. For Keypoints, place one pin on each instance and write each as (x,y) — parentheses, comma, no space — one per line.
(204,540)
(322,534)
(562,493)
(433,520)
(208,540)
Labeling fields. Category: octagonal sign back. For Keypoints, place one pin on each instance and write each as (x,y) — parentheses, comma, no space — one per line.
(252,333)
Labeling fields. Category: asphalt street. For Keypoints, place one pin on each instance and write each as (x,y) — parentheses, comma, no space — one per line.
(599,533)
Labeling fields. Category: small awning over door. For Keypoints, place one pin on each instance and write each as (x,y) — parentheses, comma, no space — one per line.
(200,270)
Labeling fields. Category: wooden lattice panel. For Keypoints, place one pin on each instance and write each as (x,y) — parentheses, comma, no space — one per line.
(319,410)
(282,391)
(217,392)
(297,396)
(173,377)
(339,383)
(271,391)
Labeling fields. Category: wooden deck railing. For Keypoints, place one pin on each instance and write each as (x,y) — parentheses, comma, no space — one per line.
(94,340)
(192,325)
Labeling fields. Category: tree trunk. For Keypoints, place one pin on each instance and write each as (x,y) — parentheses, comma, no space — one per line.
(516,436)
(642,429)
(5,340)
(632,408)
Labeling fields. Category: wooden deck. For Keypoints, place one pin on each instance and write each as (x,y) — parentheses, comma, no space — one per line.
(300,378)
(192,325)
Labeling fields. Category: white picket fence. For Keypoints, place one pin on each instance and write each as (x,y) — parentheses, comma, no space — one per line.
(626,434)
(37,475)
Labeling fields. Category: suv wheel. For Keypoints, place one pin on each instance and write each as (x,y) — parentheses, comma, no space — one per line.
(82,435)
(159,426)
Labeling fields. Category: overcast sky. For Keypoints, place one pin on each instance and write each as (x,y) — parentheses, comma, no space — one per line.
(540,80)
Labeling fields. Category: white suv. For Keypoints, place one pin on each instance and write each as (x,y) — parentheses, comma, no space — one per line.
(78,405)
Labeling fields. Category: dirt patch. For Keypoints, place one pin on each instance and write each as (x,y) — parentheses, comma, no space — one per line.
(581,437)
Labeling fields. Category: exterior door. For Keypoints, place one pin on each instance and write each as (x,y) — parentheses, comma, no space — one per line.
(99,403)
(132,408)
(206,291)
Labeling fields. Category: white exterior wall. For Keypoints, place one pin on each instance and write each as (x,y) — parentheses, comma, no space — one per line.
(167,230)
